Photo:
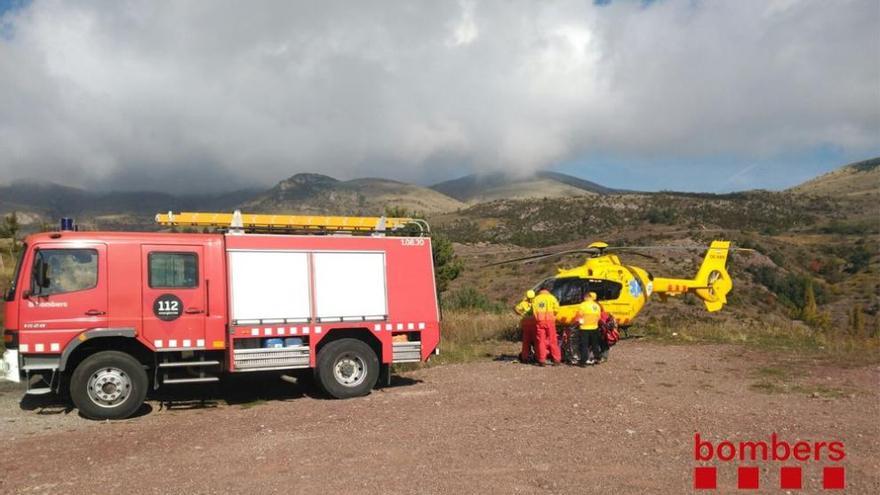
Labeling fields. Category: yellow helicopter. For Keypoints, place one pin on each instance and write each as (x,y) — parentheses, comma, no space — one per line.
(623,290)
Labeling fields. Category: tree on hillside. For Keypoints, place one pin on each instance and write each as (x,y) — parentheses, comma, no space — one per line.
(10,226)
(809,311)
(395,211)
(447,266)
(10,229)
(857,321)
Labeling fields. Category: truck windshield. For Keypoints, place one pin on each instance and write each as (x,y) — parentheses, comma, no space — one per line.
(10,294)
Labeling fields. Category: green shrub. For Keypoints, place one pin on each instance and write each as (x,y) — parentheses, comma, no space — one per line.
(470,299)
(790,289)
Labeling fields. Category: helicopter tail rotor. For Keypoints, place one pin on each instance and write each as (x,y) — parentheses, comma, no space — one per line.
(712,282)
(713,279)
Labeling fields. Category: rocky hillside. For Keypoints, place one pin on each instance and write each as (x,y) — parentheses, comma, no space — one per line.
(856,180)
(552,221)
(315,193)
(474,189)
(820,245)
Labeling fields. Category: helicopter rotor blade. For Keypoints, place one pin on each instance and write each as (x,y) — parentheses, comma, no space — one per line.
(631,249)
(673,248)
(540,256)
(643,255)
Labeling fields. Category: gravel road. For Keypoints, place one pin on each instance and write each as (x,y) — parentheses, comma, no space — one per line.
(626,426)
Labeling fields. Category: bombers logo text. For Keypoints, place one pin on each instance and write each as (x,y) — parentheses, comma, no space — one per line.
(747,453)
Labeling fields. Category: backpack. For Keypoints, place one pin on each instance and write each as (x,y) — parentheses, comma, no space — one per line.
(608,327)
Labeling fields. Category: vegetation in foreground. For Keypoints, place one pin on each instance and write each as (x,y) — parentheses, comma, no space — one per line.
(470,335)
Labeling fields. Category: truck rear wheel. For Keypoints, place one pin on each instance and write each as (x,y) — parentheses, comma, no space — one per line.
(108,385)
(347,368)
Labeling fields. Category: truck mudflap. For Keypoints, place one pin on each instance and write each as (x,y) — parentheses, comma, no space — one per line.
(9,369)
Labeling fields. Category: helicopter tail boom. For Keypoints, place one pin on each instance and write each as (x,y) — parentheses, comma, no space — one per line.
(711,284)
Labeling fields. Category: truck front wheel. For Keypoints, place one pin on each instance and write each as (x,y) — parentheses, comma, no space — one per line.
(108,385)
(347,368)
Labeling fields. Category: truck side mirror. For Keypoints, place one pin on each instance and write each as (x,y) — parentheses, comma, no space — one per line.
(40,276)
(44,276)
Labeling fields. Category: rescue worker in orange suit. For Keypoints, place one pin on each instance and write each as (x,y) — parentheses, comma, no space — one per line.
(544,307)
(588,335)
(527,325)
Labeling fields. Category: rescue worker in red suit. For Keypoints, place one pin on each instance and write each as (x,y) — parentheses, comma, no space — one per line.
(606,321)
(544,307)
(527,325)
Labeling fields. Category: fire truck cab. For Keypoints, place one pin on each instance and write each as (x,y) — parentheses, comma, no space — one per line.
(108,316)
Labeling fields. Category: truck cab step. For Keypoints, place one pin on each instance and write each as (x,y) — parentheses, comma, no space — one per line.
(185,364)
(40,367)
(206,379)
(39,391)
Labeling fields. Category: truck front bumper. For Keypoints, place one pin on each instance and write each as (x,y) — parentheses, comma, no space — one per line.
(9,368)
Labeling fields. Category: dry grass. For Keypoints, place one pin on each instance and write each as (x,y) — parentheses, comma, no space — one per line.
(471,335)
(840,349)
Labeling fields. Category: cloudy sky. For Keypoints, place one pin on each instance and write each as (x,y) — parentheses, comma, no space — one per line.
(187,95)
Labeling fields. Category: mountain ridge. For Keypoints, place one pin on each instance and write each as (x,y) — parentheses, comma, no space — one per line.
(855,179)
(38,201)
(479,188)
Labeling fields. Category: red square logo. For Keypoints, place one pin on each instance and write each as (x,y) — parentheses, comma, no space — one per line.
(791,477)
(705,478)
(834,478)
(747,478)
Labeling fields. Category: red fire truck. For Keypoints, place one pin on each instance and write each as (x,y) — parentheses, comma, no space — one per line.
(109,315)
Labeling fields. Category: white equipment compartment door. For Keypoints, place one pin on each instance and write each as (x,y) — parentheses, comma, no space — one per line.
(350,286)
(269,285)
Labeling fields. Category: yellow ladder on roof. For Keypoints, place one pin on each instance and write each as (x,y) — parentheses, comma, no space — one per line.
(298,223)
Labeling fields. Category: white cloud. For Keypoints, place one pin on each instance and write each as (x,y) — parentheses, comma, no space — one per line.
(183,95)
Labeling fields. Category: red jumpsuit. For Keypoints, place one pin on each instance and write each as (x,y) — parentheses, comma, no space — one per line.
(544,308)
(529,332)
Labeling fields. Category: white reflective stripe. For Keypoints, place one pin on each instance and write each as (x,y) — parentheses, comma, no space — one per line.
(292,330)
(187,343)
(54,347)
(280,330)
(318,329)
(305,330)
(23,347)
(400,326)
(377,327)
(39,347)
(267,331)
(410,326)
(388,327)
(421,326)
(200,343)
(157,344)
(255,331)
(172,343)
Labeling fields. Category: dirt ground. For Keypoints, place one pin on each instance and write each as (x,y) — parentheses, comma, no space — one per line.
(626,426)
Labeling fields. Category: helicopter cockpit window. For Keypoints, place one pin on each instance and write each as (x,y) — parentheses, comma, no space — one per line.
(546,284)
(571,290)
(605,290)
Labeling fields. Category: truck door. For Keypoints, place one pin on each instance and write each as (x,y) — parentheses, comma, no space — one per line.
(174,296)
(65,293)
